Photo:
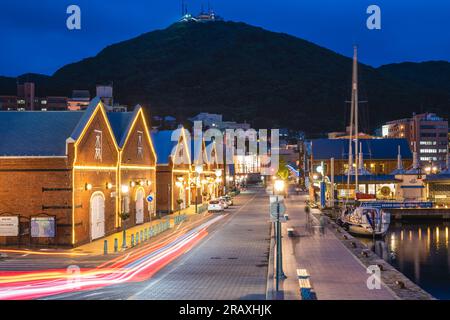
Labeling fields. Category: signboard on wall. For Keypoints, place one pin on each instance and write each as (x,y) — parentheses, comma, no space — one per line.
(43,227)
(9,226)
(398,205)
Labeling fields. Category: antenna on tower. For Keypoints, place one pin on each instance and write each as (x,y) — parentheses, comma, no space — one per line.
(184,10)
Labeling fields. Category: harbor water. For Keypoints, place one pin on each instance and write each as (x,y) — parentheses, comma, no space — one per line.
(420,250)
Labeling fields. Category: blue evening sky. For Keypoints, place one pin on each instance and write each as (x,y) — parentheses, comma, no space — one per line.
(34,37)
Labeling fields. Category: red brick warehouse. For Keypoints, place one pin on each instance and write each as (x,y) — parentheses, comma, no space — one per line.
(62,174)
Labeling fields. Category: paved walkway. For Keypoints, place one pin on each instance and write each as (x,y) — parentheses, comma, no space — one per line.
(335,273)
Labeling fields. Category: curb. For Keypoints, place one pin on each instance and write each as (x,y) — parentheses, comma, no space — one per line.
(270,295)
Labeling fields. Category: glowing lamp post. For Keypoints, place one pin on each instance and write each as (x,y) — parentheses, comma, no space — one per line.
(199,171)
(278,186)
(124,214)
(218,177)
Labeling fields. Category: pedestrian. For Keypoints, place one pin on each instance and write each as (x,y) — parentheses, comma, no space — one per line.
(322,222)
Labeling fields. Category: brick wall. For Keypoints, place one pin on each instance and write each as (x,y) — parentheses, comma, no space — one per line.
(36,186)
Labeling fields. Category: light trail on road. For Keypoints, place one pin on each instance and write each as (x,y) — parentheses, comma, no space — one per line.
(139,265)
(43,253)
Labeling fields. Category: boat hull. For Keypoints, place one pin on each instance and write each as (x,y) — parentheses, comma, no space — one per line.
(359,230)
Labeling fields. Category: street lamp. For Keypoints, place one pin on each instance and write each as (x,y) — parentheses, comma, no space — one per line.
(218,178)
(125,189)
(279,185)
(199,171)
(124,214)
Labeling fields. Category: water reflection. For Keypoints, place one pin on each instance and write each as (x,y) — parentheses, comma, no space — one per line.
(424,258)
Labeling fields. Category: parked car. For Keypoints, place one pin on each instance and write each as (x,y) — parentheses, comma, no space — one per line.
(215,206)
(228,200)
(223,202)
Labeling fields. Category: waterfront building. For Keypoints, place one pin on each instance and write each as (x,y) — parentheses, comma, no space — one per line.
(380,156)
(62,174)
(377,160)
(426,132)
(438,189)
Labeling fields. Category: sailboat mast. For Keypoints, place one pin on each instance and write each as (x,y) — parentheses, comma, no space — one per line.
(355,106)
(350,149)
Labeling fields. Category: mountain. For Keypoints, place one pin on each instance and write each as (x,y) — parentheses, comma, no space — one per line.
(248,73)
(430,74)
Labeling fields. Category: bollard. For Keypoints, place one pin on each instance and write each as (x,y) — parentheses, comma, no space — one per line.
(132,240)
(116,245)
(141,236)
(105,247)
(151,232)
(145,234)
(137,238)
(124,239)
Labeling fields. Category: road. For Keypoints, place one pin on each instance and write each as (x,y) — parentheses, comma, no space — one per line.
(231,262)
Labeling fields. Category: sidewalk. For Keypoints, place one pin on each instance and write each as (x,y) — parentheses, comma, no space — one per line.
(97,246)
(335,273)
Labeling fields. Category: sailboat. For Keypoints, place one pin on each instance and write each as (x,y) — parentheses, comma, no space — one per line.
(363,221)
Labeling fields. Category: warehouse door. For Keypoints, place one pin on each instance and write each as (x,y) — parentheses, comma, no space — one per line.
(97,211)
(140,206)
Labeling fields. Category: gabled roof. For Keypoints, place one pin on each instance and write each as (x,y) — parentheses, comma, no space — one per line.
(197,151)
(121,124)
(36,133)
(164,146)
(373,149)
(87,114)
(165,143)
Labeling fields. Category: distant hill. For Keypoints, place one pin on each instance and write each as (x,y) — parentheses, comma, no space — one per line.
(430,74)
(248,73)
